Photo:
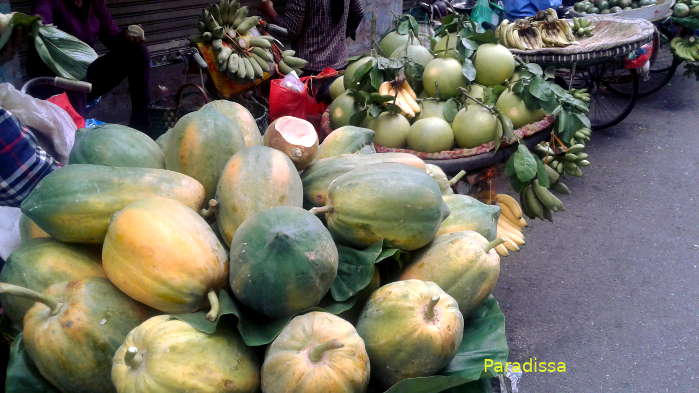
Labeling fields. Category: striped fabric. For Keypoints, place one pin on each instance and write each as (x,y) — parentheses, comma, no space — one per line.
(22,162)
(313,34)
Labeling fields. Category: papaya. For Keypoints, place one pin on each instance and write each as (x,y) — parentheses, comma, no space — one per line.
(297,138)
(316,352)
(282,261)
(345,140)
(73,330)
(255,179)
(464,264)
(241,116)
(166,355)
(74,203)
(200,144)
(29,230)
(39,263)
(470,214)
(440,177)
(396,203)
(116,145)
(165,255)
(317,177)
(411,329)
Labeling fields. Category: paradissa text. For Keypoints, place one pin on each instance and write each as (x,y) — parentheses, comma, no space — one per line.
(533,365)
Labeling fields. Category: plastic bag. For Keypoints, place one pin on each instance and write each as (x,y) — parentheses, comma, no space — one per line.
(9,230)
(53,126)
(293,96)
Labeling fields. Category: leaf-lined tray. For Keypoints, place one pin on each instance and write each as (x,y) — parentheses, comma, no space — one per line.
(609,32)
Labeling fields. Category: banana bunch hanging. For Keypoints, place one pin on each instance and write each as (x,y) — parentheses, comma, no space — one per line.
(240,54)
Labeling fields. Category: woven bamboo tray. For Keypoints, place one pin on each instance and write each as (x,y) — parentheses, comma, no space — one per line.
(613,38)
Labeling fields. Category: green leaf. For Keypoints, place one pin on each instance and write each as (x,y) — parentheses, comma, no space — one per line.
(481,386)
(64,54)
(525,164)
(584,120)
(550,72)
(357,119)
(414,27)
(535,69)
(374,110)
(354,271)
(22,374)
(376,77)
(510,166)
(541,89)
(413,72)
(468,70)
(541,175)
(363,70)
(354,58)
(450,109)
(254,328)
(486,37)
(484,338)
(387,253)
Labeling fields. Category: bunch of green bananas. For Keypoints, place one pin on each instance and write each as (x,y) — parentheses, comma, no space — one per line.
(583,27)
(686,48)
(581,94)
(569,162)
(539,202)
(241,54)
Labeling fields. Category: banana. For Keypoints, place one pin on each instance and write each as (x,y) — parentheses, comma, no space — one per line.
(405,96)
(263,53)
(284,68)
(507,213)
(261,62)
(288,52)
(502,250)
(511,203)
(255,67)
(295,62)
(567,30)
(561,188)
(260,43)
(216,12)
(511,230)
(512,246)
(249,70)
(534,207)
(233,63)
(242,72)
(222,58)
(239,16)
(411,92)
(233,6)
(247,24)
(547,198)
(384,88)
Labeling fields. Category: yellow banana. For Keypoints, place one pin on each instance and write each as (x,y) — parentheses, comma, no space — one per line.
(511,203)
(384,88)
(510,230)
(410,101)
(506,211)
(502,250)
(411,92)
(511,245)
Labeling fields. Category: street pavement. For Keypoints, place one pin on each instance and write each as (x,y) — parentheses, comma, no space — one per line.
(611,287)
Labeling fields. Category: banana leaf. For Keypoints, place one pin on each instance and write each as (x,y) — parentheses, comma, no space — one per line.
(22,374)
(689,22)
(64,54)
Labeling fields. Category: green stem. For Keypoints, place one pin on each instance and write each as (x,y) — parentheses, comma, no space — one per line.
(133,357)
(27,293)
(320,210)
(493,244)
(429,313)
(215,306)
(477,101)
(457,177)
(316,353)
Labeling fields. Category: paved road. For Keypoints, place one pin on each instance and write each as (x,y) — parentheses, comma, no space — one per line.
(612,286)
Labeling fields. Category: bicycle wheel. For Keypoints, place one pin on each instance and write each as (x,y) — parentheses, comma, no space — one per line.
(602,81)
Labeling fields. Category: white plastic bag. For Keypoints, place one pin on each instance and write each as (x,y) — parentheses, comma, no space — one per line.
(9,230)
(54,127)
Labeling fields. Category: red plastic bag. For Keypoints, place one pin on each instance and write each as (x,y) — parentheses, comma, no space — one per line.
(286,100)
(63,102)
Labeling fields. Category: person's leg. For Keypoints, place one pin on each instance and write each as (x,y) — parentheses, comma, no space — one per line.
(124,60)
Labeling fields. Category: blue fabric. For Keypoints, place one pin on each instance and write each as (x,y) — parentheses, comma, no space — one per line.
(516,9)
(22,162)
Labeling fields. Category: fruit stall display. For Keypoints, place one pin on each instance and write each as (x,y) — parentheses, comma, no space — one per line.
(611,6)
(218,260)
(237,54)
(685,45)
(467,95)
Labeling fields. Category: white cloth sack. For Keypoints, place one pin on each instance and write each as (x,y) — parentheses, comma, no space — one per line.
(54,127)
